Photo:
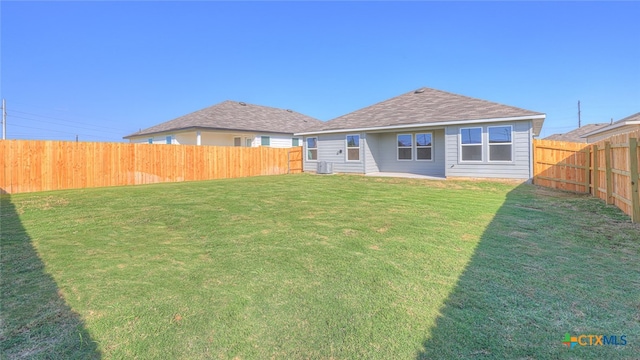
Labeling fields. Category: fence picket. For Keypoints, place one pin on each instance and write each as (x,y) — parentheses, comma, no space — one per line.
(561,165)
(29,165)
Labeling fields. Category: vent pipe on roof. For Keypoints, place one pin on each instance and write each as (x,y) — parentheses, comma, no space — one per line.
(421,90)
(289,110)
(611,121)
(243,104)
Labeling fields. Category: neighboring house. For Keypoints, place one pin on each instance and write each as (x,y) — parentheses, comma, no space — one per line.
(630,123)
(428,132)
(230,123)
(576,135)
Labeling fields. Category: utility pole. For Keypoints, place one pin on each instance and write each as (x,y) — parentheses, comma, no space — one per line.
(579,124)
(4,119)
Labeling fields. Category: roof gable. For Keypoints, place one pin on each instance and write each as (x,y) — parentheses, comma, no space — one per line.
(423,106)
(232,115)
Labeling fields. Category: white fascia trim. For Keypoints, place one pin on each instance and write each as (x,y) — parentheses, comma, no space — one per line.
(610,127)
(442,123)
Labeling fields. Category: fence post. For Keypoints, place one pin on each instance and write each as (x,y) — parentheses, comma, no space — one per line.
(633,169)
(596,173)
(535,161)
(587,170)
(608,173)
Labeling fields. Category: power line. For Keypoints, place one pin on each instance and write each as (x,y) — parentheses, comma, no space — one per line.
(73,126)
(59,111)
(60,119)
(61,132)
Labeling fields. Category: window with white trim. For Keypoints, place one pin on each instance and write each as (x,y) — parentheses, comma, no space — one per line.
(405,146)
(500,143)
(237,141)
(471,144)
(295,142)
(353,147)
(150,141)
(312,149)
(265,141)
(424,146)
(168,139)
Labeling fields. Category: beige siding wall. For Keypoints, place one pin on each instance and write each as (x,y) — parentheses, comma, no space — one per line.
(218,138)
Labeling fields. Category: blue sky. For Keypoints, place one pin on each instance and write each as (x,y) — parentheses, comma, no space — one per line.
(102,70)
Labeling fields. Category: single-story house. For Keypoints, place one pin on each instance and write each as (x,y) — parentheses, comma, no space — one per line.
(576,134)
(630,123)
(428,132)
(230,123)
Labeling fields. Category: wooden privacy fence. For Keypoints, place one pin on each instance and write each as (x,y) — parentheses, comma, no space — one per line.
(607,169)
(29,166)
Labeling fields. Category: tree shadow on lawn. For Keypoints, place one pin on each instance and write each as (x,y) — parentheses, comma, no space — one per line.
(549,263)
(35,321)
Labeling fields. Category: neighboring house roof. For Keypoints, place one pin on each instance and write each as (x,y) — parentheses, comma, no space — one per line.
(629,120)
(232,115)
(576,134)
(423,106)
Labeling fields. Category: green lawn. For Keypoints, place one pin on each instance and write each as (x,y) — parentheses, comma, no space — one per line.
(303,266)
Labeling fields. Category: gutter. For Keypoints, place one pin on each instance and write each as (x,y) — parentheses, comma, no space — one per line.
(610,127)
(407,126)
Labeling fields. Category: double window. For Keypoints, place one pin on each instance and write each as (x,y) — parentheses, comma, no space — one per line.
(500,144)
(312,148)
(423,147)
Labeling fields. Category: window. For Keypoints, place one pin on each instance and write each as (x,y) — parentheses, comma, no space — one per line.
(248,142)
(353,147)
(500,143)
(168,139)
(424,146)
(405,146)
(295,142)
(150,141)
(312,149)
(265,140)
(471,144)
(237,141)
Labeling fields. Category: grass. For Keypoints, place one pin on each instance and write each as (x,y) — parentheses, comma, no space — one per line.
(306,266)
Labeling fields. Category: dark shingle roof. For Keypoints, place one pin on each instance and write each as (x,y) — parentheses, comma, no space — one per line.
(575,135)
(232,115)
(420,107)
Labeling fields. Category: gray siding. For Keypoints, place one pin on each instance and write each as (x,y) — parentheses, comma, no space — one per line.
(387,155)
(519,168)
(333,148)
(371,153)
